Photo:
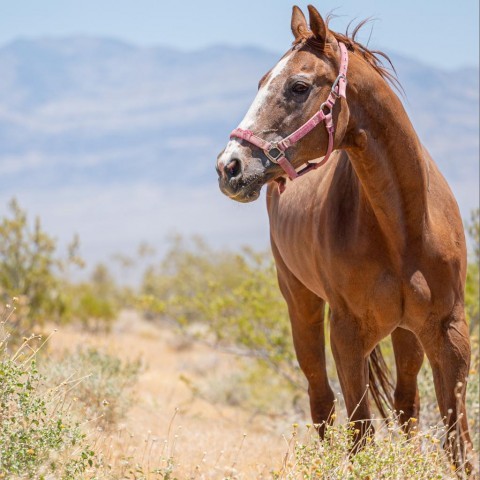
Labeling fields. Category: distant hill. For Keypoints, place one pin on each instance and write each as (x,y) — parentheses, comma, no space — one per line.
(118,142)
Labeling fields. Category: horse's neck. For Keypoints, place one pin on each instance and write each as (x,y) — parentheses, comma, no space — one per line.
(388,158)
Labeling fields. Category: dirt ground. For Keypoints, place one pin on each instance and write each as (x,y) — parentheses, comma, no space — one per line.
(168,419)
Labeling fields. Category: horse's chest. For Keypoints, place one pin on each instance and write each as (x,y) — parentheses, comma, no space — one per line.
(335,261)
(357,284)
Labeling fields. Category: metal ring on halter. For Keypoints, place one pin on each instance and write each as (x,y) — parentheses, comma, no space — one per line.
(273,153)
(323,105)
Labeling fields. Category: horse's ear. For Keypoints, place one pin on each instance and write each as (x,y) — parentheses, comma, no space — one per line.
(299,23)
(317,25)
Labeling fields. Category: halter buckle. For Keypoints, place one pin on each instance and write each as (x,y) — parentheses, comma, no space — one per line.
(273,153)
(335,84)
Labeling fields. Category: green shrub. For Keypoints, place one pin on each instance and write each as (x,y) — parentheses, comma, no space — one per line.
(38,436)
(30,270)
(94,312)
(96,303)
(230,300)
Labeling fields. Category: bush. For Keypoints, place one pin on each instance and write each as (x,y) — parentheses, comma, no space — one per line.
(38,436)
(33,273)
(51,409)
(30,270)
(233,297)
(95,303)
(104,383)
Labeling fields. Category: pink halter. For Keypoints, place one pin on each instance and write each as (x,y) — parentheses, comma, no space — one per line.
(275,151)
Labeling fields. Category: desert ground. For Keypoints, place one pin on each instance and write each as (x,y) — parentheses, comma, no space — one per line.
(169,419)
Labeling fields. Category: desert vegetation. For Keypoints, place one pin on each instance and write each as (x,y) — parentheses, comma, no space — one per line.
(190,374)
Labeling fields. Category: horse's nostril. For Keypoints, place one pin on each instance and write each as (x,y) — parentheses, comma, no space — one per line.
(233,169)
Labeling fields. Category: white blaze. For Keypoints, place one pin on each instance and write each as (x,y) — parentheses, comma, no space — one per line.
(255,108)
(259,102)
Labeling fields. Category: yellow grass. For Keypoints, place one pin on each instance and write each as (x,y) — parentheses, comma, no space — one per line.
(168,419)
(171,431)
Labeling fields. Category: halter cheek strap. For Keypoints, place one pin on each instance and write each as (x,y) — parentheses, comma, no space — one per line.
(275,151)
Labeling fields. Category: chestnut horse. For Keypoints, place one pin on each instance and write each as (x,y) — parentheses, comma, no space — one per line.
(375,232)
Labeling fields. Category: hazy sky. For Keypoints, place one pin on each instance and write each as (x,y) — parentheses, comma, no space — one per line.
(439,32)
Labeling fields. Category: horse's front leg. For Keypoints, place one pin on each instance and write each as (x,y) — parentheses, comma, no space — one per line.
(351,354)
(307,313)
(408,360)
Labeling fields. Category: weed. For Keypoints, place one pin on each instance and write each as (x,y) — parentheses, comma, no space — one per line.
(391,455)
(38,436)
(103,383)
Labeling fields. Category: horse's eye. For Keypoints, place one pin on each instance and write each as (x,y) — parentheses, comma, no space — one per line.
(300,87)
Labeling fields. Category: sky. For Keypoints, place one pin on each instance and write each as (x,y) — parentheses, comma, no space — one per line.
(441,33)
(434,32)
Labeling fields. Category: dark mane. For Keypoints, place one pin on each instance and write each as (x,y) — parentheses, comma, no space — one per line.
(375,58)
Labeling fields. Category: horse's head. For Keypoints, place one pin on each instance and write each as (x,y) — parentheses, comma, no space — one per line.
(288,95)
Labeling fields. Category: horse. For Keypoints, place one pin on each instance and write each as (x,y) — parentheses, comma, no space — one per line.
(375,232)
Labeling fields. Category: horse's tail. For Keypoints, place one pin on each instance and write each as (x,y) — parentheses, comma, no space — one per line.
(381,382)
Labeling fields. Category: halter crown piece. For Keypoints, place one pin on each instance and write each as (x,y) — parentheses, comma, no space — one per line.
(275,151)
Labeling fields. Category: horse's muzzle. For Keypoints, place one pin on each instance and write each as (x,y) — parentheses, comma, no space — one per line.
(240,176)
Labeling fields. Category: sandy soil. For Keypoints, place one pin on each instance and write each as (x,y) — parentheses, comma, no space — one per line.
(168,419)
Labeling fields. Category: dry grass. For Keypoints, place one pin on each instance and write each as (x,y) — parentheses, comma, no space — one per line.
(169,418)
(173,430)
(166,427)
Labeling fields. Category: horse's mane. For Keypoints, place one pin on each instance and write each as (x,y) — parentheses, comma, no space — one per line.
(375,58)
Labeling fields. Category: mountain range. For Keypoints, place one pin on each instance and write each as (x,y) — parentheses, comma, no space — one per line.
(118,142)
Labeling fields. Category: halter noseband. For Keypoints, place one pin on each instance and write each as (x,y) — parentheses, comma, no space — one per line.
(275,151)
